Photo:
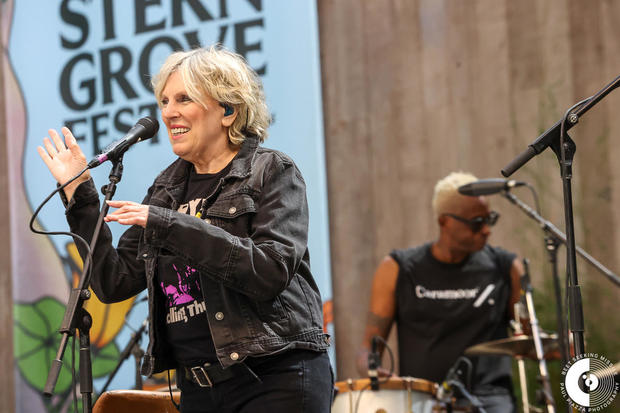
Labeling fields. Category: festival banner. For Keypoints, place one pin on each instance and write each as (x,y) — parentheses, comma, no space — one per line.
(87,64)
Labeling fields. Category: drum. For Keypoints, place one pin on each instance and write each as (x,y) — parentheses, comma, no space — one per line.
(395,395)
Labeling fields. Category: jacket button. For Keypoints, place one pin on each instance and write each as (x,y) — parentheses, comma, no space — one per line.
(232,210)
(219,315)
(234,356)
(208,221)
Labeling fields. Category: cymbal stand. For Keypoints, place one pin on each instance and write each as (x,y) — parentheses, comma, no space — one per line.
(518,330)
(542,365)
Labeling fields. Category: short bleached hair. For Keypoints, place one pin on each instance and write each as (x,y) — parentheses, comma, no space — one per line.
(446,197)
(226,77)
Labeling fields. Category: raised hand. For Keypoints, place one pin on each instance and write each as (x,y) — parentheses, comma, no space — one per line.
(128,213)
(64,159)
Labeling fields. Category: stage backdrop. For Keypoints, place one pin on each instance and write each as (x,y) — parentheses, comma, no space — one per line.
(86,64)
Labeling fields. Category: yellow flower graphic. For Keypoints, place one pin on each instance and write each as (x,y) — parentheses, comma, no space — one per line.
(108,319)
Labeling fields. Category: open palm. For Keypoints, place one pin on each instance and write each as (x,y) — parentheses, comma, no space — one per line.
(64,159)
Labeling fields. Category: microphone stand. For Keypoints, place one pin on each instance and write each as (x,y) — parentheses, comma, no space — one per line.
(553,238)
(138,354)
(565,153)
(75,314)
(132,348)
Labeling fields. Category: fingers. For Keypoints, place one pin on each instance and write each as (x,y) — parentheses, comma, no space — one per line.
(50,148)
(124,207)
(70,141)
(127,219)
(69,138)
(55,146)
(44,155)
(118,204)
(128,213)
(60,145)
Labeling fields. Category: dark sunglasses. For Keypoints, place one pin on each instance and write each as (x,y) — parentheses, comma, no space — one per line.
(476,224)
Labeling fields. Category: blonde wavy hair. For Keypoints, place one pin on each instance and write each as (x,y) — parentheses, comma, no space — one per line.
(446,197)
(226,77)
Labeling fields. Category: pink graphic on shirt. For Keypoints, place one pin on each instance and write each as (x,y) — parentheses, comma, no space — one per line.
(187,290)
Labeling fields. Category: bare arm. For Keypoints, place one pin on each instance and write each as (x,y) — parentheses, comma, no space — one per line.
(382,309)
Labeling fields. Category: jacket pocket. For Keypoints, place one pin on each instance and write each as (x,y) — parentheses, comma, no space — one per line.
(271,310)
(233,214)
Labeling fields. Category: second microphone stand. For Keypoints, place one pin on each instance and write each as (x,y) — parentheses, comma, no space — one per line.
(132,348)
(553,238)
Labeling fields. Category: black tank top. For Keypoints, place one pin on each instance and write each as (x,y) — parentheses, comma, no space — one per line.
(444,308)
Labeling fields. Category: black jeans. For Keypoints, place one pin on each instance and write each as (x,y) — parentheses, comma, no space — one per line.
(297,381)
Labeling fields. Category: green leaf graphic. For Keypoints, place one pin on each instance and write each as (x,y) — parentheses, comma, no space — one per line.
(105,360)
(36,342)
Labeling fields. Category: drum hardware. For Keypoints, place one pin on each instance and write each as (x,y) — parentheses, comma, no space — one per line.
(409,389)
(525,401)
(350,383)
(395,395)
(475,402)
(453,383)
(374,362)
(527,289)
(518,331)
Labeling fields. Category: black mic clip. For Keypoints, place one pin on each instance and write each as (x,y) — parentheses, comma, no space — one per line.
(374,362)
(446,390)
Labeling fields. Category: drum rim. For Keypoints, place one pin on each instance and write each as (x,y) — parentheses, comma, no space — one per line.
(392,383)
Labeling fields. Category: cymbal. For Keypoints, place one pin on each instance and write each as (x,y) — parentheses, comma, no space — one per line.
(522,346)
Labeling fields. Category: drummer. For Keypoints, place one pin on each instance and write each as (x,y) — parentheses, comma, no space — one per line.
(447,295)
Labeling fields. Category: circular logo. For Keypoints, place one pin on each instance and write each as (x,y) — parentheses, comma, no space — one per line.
(589,382)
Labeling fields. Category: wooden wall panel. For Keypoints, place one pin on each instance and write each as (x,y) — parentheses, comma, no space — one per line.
(416,89)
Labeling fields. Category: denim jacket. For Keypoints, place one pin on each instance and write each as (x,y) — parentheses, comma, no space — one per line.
(250,248)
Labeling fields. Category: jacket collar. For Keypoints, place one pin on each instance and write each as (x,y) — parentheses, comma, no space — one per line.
(177,172)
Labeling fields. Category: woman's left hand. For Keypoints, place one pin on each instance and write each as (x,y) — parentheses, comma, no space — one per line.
(128,213)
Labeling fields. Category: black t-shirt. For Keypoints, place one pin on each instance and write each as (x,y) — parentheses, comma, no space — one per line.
(187,326)
(444,308)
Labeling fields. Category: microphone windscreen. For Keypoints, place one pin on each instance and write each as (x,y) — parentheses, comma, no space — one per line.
(150,124)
